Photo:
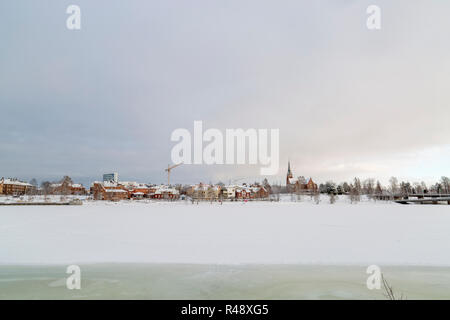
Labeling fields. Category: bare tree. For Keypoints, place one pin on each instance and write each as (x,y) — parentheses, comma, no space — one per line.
(45,185)
(378,189)
(66,184)
(357,186)
(346,187)
(333,198)
(317,197)
(369,187)
(32,190)
(393,185)
(355,194)
(405,188)
(445,181)
(418,188)
(424,187)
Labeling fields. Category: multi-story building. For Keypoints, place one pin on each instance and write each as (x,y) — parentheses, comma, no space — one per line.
(198,191)
(111,177)
(229,192)
(15,187)
(213,193)
(164,192)
(108,190)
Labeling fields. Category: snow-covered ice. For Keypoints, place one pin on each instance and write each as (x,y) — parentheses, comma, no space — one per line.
(254,232)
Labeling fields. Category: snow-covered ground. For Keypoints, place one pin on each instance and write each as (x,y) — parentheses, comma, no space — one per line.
(290,231)
(34,199)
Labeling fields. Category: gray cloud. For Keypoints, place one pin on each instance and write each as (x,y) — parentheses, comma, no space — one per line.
(348,101)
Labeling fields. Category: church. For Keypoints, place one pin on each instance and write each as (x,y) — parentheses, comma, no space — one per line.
(300,185)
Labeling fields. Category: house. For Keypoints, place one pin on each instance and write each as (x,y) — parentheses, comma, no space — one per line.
(213,193)
(164,192)
(136,190)
(109,190)
(198,191)
(229,192)
(115,194)
(15,187)
(204,192)
(137,195)
(243,192)
(259,192)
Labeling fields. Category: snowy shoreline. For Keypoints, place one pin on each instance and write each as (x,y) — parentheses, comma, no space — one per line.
(250,233)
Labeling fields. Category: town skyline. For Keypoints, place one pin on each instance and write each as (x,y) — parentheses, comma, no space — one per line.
(284,181)
(107,97)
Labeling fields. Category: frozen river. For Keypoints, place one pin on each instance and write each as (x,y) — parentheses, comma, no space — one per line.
(232,233)
(257,250)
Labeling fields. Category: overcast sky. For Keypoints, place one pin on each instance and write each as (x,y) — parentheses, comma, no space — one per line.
(348,101)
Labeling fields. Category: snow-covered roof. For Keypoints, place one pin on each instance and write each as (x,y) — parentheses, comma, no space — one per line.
(108,184)
(129,183)
(141,186)
(73,185)
(245,189)
(15,182)
(115,190)
(201,186)
(165,189)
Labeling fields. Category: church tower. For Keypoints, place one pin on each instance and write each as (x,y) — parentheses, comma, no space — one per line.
(289,175)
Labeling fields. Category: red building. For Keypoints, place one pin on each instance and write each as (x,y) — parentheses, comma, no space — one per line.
(300,185)
(15,187)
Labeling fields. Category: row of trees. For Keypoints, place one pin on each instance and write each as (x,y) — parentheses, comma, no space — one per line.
(371,187)
(46,186)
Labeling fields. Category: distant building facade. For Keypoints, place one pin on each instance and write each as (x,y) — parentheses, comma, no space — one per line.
(111,177)
(108,190)
(123,190)
(215,192)
(15,187)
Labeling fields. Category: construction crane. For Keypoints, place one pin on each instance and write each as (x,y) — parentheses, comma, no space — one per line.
(169,168)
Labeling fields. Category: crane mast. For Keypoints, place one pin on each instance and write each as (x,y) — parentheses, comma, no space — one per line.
(169,168)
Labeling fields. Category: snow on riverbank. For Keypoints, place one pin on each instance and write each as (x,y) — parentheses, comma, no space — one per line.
(254,232)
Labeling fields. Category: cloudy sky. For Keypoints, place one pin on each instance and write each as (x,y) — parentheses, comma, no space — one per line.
(348,101)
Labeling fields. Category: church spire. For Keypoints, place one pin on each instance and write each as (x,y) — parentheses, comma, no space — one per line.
(289,175)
